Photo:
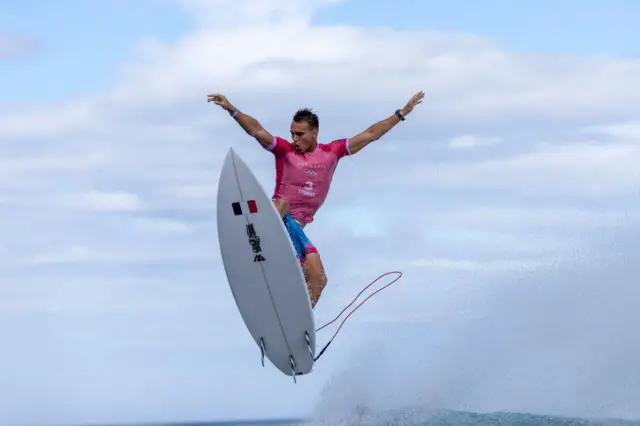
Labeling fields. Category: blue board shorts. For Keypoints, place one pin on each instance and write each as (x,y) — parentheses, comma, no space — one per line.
(300,241)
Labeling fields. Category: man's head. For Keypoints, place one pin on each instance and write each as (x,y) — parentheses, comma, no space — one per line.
(304,130)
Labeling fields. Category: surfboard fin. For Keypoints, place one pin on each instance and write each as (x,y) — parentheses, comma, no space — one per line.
(294,370)
(306,335)
(262,350)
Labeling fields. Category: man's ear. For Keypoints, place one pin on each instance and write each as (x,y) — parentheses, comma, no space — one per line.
(315,132)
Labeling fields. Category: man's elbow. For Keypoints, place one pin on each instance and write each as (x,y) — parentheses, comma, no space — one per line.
(370,136)
(374,137)
(263,137)
(254,131)
(259,134)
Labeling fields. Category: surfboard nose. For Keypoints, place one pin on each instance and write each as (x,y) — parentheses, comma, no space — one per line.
(230,154)
(229,160)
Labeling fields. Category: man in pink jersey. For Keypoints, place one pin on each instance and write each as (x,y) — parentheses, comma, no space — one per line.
(304,171)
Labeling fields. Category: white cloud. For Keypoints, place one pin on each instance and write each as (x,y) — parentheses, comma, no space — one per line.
(625,131)
(464,76)
(117,252)
(473,141)
(109,201)
(587,168)
(162,226)
(518,218)
(19,169)
(195,191)
(70,254)
(472,265)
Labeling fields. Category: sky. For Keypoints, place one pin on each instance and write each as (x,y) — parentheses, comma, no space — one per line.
(508,199)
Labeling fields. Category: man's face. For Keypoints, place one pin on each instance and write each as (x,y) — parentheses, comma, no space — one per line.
(303,137)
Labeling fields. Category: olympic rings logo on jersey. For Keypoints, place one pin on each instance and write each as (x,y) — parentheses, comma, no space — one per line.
(310,172)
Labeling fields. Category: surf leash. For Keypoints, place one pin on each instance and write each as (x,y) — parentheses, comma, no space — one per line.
(356,308)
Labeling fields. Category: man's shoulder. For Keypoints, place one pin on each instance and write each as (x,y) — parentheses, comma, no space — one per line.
(340,146)
(282,140)
(333,142)
(280,146)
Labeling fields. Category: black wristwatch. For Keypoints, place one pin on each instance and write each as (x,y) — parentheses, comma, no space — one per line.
(400,116)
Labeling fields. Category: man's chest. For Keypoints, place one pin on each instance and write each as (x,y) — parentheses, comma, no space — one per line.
(299,170)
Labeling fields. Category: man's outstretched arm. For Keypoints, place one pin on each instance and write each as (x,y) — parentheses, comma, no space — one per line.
(248,123)
(379,129)
(253,128)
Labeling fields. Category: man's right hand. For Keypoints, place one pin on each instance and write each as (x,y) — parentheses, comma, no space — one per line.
(221,101)
(248,124)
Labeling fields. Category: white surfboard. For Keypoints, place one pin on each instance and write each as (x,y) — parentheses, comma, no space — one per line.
(264,274)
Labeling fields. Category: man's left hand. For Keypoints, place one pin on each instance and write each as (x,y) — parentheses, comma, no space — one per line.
(415,100)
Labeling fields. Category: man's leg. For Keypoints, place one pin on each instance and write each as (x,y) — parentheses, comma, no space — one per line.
(316,278)
(282,206)
(306,251)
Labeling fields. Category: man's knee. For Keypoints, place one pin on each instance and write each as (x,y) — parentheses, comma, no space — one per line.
(321,281)
(315,271)
(316,284)
(316,278)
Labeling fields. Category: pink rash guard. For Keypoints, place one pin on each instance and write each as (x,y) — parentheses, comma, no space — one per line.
(304,179)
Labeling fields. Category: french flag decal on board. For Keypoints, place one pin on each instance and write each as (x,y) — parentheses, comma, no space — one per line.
(237,208)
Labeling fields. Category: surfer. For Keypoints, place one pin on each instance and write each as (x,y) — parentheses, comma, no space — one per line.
(304,171)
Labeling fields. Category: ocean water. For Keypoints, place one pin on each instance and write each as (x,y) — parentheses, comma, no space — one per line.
(417,417)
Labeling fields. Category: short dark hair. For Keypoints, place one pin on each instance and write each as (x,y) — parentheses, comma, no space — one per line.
(306,114)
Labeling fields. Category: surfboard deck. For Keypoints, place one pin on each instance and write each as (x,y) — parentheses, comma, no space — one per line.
(264,275)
